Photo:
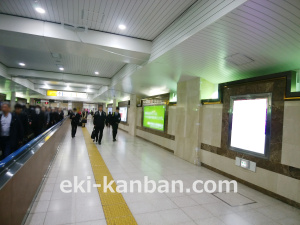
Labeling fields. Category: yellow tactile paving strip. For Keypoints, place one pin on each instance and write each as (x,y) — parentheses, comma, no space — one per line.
(114,206)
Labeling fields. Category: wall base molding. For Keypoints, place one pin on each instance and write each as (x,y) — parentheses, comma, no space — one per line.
(255,187)
(123,130)
(169,150)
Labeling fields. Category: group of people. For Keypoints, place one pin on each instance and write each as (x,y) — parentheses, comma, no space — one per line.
(23,124)
(100,119)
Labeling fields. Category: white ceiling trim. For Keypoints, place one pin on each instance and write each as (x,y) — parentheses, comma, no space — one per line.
(26,83)
(58,76)
(202,14)
(3,71)
(64,88)
(116,47)
(23,82)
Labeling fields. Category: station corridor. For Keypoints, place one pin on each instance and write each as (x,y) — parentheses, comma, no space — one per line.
(131,158)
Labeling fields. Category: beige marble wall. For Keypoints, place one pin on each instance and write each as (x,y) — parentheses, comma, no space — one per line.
(124,127)
(171,120)
(77,105)
(277,183)
(132,118)
(283,185)
(211,126)
(164,142)
(187,120)
(291,134)
(139,115)
(114,105)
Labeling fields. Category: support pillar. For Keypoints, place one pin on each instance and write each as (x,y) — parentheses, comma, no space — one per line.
(132,115)
(31,102)
(114,105)
(13,100)
(187,120)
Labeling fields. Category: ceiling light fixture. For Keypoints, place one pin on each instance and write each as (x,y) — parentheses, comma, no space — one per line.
(96,72)
(61,68)
(40,10)
(122,27)
(22,64)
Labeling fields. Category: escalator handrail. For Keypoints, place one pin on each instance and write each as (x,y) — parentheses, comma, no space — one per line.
(18,152)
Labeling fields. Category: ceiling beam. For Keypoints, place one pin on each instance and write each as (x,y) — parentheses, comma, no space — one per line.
(52,76)
(64,88)
(195,19)
(93,43)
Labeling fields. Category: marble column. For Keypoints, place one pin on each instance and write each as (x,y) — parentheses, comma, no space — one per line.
(187,120)
(114,105)
(12,100)
(132,115)
(104,108)
(31,101)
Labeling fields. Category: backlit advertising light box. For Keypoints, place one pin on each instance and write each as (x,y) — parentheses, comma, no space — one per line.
(249,124)
(109,110)
(154,117)
(123,113)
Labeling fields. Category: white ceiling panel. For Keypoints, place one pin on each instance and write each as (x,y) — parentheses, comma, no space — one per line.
(144,19)
(7,85)
(64,84)
(260,37)
(73,64)
(264,31)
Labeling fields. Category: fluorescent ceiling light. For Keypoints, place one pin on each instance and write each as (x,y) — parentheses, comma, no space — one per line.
(22,64)
(96,72)
(122,27)
(61,68)
(40,10)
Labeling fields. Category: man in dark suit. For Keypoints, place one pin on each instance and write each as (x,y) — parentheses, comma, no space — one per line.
(38,121)
(115,119)
(74,116)
(99,122)
(61,114)
(11,131)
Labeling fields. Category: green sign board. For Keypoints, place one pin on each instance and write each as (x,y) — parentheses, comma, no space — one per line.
(154,117)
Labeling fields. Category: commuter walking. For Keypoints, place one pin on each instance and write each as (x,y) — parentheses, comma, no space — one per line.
(60,114)
(51,118)
(10,131)
(55,116)
(84,117)
(38,121)
(23,120)
(114,121)
(74,116)
(47,117)
(99,123)
(108,120)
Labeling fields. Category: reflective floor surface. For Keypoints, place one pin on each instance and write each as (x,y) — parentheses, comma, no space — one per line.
(131,158)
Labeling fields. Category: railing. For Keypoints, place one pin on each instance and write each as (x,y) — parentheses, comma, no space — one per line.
(10,164)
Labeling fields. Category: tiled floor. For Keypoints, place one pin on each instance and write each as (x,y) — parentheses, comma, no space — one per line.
(133,158)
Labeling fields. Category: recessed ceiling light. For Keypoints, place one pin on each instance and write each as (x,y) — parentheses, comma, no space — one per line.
(96,72)
(61,68)
(122,27)
(40,10)
(22,64)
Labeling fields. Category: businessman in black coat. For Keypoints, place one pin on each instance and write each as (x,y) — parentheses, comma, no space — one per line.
(115,119)
(99,123)
(11,131)
(74,116)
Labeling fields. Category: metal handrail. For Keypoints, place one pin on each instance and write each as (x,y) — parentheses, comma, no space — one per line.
(22,150)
